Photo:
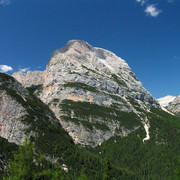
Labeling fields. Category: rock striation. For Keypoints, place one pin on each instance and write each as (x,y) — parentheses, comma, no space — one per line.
(94,93)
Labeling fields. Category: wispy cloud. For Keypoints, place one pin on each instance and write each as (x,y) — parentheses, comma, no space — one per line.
(5,68)
(24,69)
(152,10)
(170,1)
(5,2)
(142,2)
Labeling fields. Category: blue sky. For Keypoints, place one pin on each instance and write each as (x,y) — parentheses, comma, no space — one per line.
(146,33)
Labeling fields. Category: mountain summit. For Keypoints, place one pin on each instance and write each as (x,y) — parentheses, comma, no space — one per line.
(94,93)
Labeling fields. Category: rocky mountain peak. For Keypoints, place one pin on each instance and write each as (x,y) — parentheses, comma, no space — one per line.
(83,85)
(76,45)
(79,53)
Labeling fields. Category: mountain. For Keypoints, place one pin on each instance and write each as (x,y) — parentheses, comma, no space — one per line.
(170,104)
(86,109)
(164,102)
(24,116)
(174,106)
(94,94)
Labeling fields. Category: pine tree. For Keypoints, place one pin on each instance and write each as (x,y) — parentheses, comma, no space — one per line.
(83,176)
(26,165)
(108,171)
(22,165)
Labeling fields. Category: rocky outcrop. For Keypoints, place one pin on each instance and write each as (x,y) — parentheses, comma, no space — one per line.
(30,78)
(11,111)
(18,111)
(94,93)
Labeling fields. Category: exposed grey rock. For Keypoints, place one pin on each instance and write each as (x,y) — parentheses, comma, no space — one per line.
(174,106)
(10,113)
(16,106)
(82,73)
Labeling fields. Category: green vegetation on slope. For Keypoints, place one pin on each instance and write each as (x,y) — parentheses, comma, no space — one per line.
(52,141)
(85,110)
(6,77)
(6,149)
(130,158)
(26,164)
(118,80)
(155,159)
(34,88)
(81,86)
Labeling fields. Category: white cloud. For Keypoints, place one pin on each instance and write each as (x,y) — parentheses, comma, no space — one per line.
(152,10)
(24,69)
(142,2)
(5,68)
(5,2)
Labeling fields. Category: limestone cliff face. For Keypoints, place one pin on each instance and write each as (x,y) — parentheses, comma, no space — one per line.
(10,126)
(11,110)
(17,111)
(93,93)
